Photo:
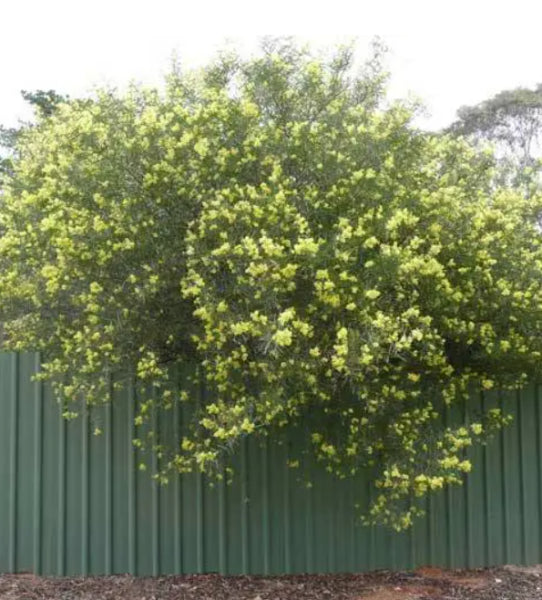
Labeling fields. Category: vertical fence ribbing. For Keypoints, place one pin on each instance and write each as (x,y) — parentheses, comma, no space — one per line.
(155,491)
(85,521)
(286,509)
(61,516)
(132,472)
(538,427)
(522,482)
(450,554)
(277,530)
(352,532)
(486,498)
(450,558)
(265,506)
(431,528)
(38,467)
(199,524)
(177,509)
(331,528)
(468,499)
(13,478)
(504,490)
(245,554)
(222,531)
(200,556)
(309,530)
(372,536)
(108,474)
(411,550)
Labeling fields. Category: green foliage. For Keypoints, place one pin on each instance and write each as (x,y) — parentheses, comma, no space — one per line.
(44,104)
(7,142)
(276,221)
(512,122)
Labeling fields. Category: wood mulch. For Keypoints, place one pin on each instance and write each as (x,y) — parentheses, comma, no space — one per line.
(508,583)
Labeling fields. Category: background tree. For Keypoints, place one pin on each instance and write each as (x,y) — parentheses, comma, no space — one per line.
(281,224)
(512,122)
(44,104)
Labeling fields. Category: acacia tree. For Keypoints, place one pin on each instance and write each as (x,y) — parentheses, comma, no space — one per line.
(281,224)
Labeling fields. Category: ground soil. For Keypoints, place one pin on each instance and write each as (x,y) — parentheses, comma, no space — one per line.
(507,583)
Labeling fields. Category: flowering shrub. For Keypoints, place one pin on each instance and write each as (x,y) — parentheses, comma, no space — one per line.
(278,222)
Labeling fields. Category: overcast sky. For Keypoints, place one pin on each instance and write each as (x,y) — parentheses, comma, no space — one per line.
(449,53)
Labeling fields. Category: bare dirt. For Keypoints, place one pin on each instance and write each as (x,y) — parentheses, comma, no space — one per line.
(507,583)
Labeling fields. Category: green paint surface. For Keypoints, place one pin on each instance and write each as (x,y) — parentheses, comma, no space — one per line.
(75,504)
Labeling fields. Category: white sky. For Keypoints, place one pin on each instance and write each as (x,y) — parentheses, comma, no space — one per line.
(447,52)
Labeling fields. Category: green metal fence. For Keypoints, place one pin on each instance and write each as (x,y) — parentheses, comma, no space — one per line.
(73,503)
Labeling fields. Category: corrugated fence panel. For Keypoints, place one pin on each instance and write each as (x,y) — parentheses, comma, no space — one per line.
(75,503)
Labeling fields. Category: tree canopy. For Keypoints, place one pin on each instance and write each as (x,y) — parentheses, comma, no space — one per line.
(281,224)
(512,121)
(44,104)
